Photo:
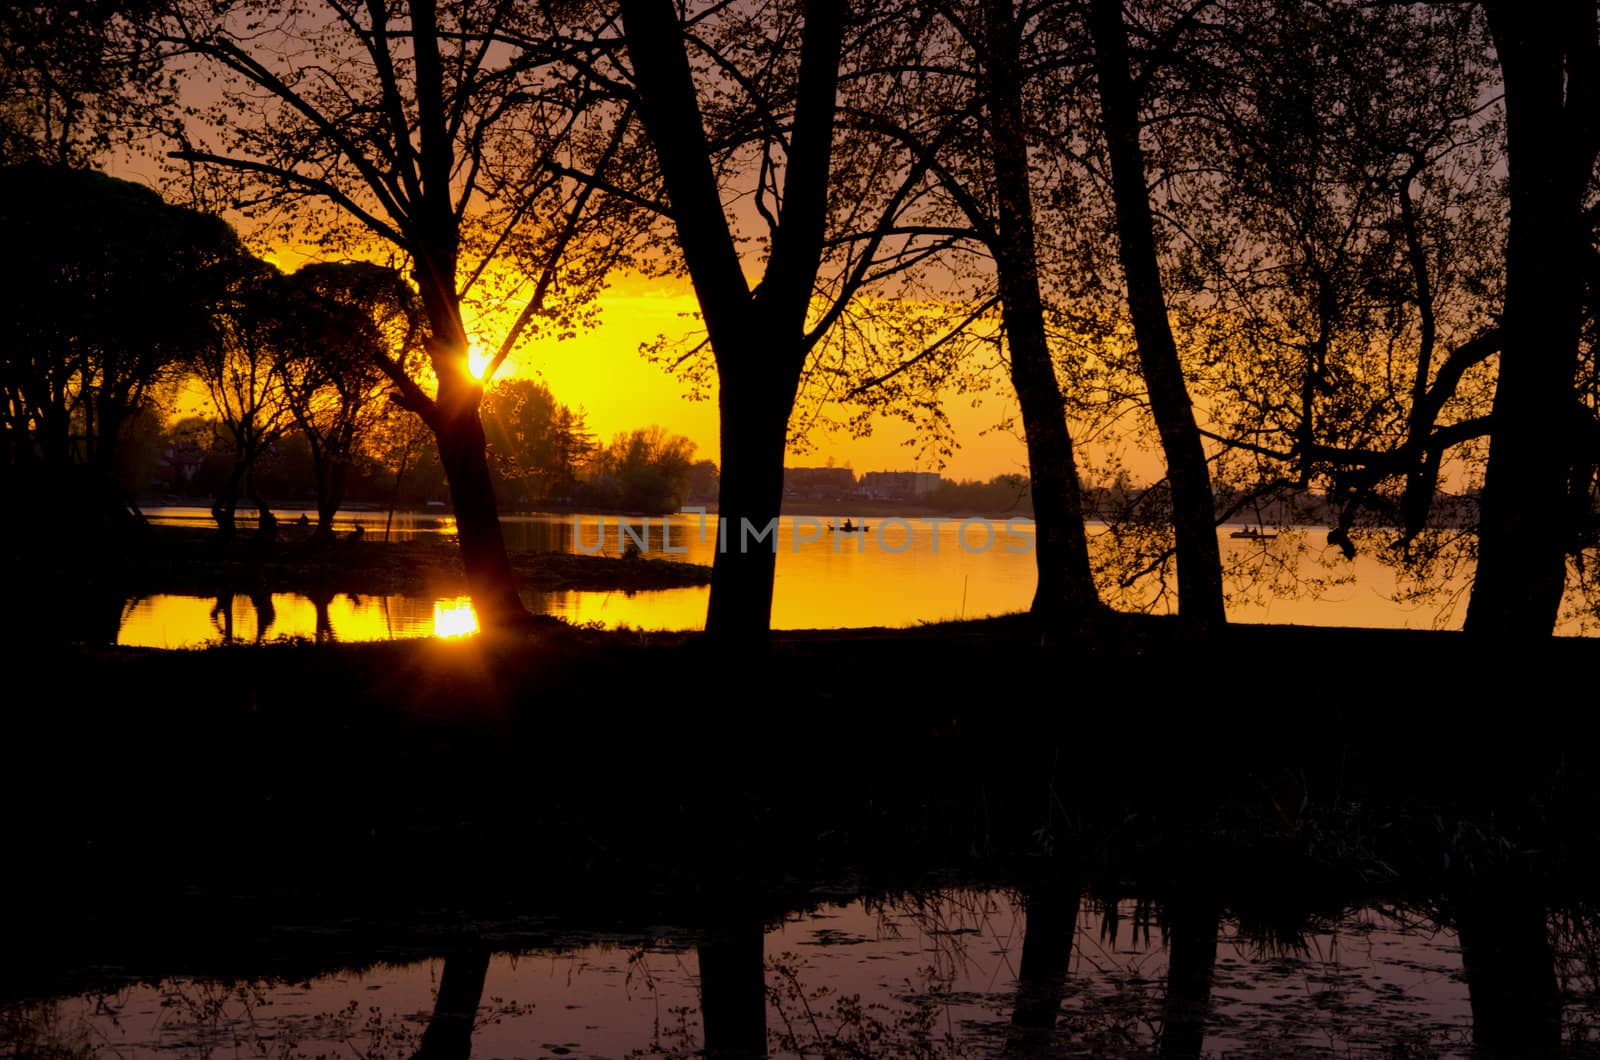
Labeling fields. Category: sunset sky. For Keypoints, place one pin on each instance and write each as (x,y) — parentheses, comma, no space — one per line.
(602,370)
(620,389)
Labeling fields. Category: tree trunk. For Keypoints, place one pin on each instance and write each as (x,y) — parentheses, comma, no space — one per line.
(1066,590)
(330,494)
(1192,925)
(749,500)
(225,505)
(1510,973)
(1042,975)
(1194,519)
(463,451)
(1522,535)
(266,523)
(107,457)
(449,1032)
(333,471)
(733,992)
(321,471)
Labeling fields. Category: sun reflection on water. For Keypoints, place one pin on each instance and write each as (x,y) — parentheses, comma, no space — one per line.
(454,618)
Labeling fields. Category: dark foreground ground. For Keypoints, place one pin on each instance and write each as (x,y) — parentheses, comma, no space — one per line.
(286,809)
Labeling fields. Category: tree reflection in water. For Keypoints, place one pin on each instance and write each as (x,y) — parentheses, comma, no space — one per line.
(1046,972)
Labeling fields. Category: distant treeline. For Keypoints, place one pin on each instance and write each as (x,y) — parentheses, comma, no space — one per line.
(134,307)
(542,456)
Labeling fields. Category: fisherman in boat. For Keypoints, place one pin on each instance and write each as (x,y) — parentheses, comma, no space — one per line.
(848,526)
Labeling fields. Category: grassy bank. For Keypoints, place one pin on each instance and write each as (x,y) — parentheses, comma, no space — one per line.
(344,801)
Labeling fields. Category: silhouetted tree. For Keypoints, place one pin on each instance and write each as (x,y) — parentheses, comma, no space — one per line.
(77,80)
(538,444)
(340,323)
(442,130)
(241,370)
(704,478)
(966,117)
(397,441)
(1194,521)
(1550,64)
(758,336)
(116,297)
(1066,583)
(646,470)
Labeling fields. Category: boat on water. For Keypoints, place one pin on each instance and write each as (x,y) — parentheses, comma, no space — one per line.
(1253,533)
(847,527)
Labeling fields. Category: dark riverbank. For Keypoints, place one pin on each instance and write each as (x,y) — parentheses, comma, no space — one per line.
(253,815)
(402,794)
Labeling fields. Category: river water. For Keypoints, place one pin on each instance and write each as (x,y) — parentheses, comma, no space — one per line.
(931,976)
(901,572)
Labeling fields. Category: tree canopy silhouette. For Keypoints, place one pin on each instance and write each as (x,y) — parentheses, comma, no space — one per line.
(442,132)
(115,303)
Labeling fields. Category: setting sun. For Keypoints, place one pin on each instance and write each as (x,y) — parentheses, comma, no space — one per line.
(478,360)
(454,618)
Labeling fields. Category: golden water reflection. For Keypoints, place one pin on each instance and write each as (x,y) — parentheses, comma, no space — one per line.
(908,572)
(173,621)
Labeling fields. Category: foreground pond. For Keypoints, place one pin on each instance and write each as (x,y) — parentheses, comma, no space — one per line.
(903,572)
(936,976)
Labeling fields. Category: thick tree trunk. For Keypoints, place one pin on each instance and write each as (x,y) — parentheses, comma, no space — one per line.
(1522,535)
(1066,589)
(749,499)
(1510,973)
(1194,519)
(1192,925)
(733,992)
(463,451)
(1042,975)
(331,475)
(449,1032)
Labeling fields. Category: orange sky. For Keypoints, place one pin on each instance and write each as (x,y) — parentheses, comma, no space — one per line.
(603,371)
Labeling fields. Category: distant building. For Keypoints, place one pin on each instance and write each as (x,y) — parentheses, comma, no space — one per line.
(818,483)
(898,485)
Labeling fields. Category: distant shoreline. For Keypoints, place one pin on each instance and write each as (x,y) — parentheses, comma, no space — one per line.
(193,560)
